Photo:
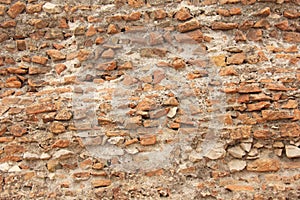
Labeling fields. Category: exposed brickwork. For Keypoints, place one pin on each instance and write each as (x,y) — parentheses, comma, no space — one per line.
(133,99)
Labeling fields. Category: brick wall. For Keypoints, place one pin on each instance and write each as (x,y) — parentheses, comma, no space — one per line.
(150,99)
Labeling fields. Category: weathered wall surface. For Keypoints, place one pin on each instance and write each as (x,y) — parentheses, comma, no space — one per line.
(150,99)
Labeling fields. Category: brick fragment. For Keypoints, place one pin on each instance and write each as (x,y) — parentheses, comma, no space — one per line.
(41,108)
(34,8)
(223,26)
(271,115)
(148,140)
(291,37)
(183,14)
(191,25)
(56,55)
(8,24)
(136,3)
(236,59)
(263,12)
(16,9)
(101,183)
(263,134)
(249,88)
(159,14)
(291,14)
(39,60)
(290,130)
(17,130)
(57,127)
(258,106)
(264,165)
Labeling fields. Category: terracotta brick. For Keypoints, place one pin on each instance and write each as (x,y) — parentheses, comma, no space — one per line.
(223,26)
(148,140)
(39,60)
(264,165)
(40,108)
(191,25)
(16,9)
(291,37)
(183,14)
(101,183)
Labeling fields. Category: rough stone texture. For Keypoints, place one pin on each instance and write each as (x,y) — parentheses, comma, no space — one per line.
(134,99)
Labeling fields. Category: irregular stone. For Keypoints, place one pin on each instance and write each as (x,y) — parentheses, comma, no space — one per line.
(264,165)
(148,140)
(52,8)
(108,54)
(57,128)
(45,156)
(116,140)
(271,115)
(63,115)
(219,60)
(146,105)
(228,71)
(292,151)
(191,25)
(8,24)
(30,156)
(16,9)
(101,183)
(4,167)
(17,130)
(217,152)
(52,165)
(246,146)
(237,165)
(15,168)
(223,26)
(62,154)
(183,14)
(236,152)
(258,106)
(172,112)
(56,55)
